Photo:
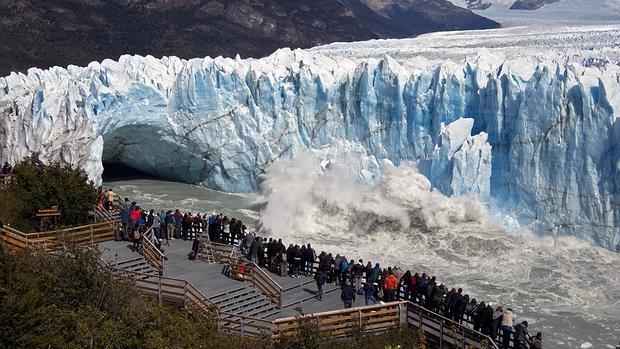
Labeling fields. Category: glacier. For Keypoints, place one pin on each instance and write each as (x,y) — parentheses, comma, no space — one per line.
(532,133)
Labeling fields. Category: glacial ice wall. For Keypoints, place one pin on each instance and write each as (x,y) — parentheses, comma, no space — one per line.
(534,138)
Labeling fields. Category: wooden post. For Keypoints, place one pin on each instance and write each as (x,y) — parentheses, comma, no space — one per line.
(159,290)
(359,318)
(92,238)
(242,329)
(440,333)
(185,295)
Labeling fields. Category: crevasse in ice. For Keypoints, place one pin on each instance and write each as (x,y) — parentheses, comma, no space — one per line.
(539,141)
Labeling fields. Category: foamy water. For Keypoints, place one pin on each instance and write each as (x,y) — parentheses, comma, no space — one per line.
(563,287)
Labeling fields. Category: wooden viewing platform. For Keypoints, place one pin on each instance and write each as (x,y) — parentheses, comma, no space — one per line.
(248,300)
(254,302)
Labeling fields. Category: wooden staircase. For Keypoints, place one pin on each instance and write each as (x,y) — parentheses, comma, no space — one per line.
(247,301)
(135,265)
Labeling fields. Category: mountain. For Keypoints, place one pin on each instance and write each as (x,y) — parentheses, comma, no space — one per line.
(45,33)
(527,122)
(511,4)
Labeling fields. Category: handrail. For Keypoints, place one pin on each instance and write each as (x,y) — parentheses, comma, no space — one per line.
(422,313)
(51,241)
(151,253)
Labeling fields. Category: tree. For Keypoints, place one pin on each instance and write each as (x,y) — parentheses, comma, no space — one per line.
(39,186)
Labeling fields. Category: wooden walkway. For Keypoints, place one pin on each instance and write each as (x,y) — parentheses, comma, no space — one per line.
(299,294)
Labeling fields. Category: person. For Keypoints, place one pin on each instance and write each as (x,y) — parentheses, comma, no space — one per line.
(169,225)
(413,287)
(506,327)
(520,335)
(253,250)
(110,200)
(460,302)
(369,292)
(319,277)
(344,266)
(537,342)
(390,286)
(283,260)
(125,219)
(431,289)
(225,230)
(358,273)
(497,321)
(347,296)
(155,224)
(309,258)
(447,310)
(186,224)
(438,294)
(7,168)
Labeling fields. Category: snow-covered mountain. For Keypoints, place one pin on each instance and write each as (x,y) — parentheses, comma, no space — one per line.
(530,126)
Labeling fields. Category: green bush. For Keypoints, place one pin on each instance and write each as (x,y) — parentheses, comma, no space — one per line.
(66,301)
(39,186)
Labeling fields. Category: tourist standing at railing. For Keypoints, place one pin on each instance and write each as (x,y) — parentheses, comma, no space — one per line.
(162,225)
(431,288)
(178,219)
(125,219)
(390,287)
(344,265)
(520,335)
(537,342)
(309,258)
(477,317)
(156,225)
(260,254)
(369,292)
(422,283)
(169,220)
(507,322)
(358,273)
(497,321)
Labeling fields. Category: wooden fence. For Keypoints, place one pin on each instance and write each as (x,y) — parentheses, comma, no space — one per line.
(54,240)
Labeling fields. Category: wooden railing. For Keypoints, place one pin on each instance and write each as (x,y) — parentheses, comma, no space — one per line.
(153,256)
(345,322)
(54,240)
(244,326)
(221,252)
(441,331)
(244,270)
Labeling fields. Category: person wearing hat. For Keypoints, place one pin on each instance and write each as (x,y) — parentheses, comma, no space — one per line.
(537,342)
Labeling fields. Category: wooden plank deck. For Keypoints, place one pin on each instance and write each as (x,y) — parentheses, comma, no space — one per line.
(208,278)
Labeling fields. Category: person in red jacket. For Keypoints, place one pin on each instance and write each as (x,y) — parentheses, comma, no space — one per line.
(390,286)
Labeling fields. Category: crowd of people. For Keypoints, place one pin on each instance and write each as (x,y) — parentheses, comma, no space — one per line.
(374,283)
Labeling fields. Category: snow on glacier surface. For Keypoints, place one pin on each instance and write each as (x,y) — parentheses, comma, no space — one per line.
(524,118)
